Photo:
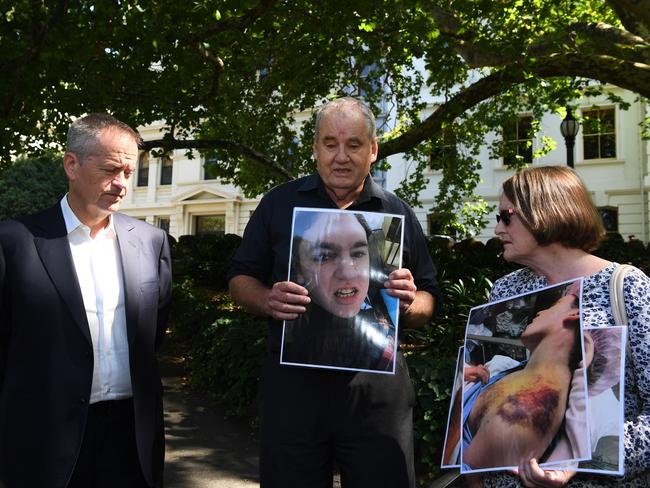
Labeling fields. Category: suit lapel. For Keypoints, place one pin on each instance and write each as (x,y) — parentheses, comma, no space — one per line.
(54,250)
(129,253)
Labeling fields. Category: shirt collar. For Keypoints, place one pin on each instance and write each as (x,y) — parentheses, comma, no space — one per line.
(72,222)
(370,188)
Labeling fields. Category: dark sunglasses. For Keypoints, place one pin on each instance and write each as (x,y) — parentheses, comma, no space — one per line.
(505,215)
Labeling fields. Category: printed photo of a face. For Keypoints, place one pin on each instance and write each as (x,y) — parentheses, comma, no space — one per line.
(334,263)
(343,258)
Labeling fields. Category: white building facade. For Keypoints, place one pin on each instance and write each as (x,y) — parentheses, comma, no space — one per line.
(180,195)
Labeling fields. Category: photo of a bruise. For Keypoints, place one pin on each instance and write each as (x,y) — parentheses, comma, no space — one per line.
(487,400)
(517,410)
(533,407)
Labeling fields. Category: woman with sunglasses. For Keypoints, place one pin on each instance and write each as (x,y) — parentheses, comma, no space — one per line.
(548,223)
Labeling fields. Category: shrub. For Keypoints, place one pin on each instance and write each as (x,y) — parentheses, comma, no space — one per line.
(222,346)
(31,185)
(431,355)
(205,258)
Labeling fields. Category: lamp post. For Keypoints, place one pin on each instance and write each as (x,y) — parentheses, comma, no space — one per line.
(569,128)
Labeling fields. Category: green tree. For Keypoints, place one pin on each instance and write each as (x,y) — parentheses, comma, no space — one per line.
(30,185)
(238,78)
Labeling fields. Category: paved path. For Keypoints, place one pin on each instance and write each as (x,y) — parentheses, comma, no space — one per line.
(203,449)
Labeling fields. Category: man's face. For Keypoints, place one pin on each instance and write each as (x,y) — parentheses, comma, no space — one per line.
(344,151)
(335,264)
(99,183)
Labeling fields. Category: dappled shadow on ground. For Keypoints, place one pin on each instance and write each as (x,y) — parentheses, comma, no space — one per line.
(203,449)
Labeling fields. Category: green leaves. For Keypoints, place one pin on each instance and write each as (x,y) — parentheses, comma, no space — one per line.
(31,185)
(367,26)
(250,72)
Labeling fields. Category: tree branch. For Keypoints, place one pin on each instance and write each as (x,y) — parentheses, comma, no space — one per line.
(217,64)
(169,142)
(471,96)
(634,14)
(580,37)
(631,76)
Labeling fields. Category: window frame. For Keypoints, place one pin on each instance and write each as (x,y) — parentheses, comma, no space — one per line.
(600,135)
(166,170)
(206,163)
(142,177)
(197,219)
(528,157)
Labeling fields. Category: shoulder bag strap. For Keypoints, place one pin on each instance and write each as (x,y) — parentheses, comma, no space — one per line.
(616,294)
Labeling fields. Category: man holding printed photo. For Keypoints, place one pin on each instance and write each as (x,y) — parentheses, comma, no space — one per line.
(311,418)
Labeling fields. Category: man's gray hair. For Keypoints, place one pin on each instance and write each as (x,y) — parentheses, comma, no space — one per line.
(341,104)
(84,132)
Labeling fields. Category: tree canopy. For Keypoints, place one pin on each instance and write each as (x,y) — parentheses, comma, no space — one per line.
(238,79)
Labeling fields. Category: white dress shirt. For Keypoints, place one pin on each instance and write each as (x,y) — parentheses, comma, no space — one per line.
(99,271)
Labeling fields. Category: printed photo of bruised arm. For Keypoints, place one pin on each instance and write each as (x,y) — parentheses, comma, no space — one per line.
(517,415)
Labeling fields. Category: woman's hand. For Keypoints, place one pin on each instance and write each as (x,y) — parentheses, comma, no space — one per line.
(532,476)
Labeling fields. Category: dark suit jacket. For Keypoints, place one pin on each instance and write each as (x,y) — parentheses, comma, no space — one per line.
(46,355)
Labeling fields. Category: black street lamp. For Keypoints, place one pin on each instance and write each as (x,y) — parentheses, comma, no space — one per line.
(569,128)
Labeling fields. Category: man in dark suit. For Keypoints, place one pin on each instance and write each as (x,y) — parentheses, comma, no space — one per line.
(84,293)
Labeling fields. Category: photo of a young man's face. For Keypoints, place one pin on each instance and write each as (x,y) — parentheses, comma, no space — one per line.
(343,258)
(334,263)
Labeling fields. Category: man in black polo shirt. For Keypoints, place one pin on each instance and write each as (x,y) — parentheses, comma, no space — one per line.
(312,418)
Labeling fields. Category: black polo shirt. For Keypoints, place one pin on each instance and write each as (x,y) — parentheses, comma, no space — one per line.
(264,251)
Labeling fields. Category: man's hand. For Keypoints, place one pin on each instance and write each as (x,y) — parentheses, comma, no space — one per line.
(416,307)
(287,300)
(284,301)
(532,476)
(400,284)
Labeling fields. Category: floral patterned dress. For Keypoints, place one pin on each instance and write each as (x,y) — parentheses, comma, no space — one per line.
(597,312)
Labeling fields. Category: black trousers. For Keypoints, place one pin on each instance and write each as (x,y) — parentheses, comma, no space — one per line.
(109,455)
(312,419)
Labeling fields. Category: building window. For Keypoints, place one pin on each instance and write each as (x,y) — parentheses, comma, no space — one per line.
(166,167)
(367,81)
(435,224)
(209,166)
(163,223)
(210,224)
(599,133)
(143,169)
(610,218)
(444,152)
(518,141)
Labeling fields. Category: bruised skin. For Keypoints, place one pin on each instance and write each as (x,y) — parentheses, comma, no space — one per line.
(517,417)
(532,407)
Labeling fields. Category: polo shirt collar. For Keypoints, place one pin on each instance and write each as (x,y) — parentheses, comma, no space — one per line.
(370,188)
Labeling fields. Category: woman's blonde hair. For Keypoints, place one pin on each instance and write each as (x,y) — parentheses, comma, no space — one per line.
(554,204)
